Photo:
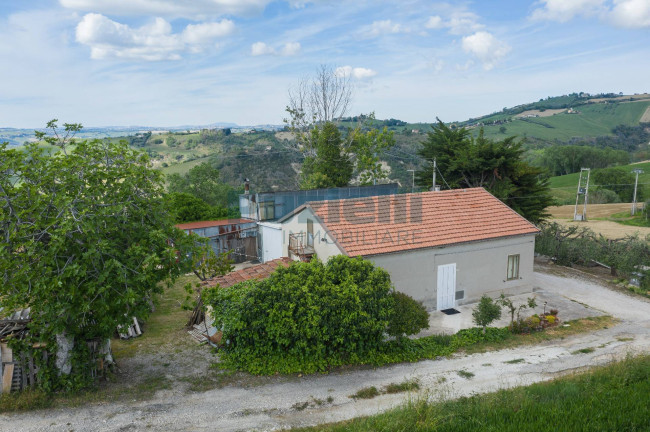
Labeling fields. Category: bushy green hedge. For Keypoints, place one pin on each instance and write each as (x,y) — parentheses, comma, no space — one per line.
(409,316)
(312,317)
(304,318)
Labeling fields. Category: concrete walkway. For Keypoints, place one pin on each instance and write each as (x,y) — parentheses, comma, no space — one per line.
(303,401)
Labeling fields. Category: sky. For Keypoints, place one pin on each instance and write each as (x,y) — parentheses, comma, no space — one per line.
(196,62)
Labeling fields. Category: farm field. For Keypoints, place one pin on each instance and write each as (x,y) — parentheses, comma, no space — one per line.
(592,120)
(595,214)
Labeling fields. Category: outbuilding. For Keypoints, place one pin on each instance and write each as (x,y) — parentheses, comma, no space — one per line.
(444,248)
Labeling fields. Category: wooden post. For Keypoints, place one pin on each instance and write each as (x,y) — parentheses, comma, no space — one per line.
(7,376)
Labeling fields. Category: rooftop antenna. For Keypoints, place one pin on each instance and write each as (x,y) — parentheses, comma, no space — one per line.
(583,189)
(636,183)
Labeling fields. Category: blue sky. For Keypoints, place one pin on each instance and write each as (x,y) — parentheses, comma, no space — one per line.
(165,63)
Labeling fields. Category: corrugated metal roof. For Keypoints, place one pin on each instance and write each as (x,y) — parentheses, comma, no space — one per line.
(378,225)
(209,224)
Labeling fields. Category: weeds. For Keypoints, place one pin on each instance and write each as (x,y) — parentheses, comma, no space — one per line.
(584,351)
(611,398)
(465,374)
(366,393)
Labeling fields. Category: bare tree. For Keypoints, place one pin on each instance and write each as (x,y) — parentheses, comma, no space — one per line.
(323,97)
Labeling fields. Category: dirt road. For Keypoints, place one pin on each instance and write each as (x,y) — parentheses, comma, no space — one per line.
(304,401)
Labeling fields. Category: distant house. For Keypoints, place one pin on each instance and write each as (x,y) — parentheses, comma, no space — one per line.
(265,208)
(236,235)
(442,248)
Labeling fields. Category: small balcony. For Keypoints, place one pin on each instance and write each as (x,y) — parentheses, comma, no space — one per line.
(301,245)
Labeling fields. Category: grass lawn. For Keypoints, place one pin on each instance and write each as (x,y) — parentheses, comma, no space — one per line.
(611,398)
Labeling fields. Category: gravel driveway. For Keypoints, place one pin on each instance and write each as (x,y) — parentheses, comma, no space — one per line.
(317,399)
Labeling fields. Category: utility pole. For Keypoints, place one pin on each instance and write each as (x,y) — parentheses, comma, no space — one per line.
(636,183)
(435,168)
(583,189)
(412,182)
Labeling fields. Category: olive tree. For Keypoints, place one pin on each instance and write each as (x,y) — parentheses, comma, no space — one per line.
(85,239)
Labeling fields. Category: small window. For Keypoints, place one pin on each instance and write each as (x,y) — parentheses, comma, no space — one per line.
(310,232)
(513,267)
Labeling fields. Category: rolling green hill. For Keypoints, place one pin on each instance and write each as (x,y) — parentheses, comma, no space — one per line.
(565,187)
(590,121)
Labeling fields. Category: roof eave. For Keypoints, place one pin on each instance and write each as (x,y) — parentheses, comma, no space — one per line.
(448,244)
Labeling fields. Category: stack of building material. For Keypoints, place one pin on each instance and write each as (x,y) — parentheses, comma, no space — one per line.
(130,331)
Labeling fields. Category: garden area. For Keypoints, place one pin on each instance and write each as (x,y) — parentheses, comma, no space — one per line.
(315,317)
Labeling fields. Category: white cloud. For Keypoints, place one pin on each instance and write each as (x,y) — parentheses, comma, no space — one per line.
(260,48)
(206,32)
(631,13)
(288,49)
(154,41)
(192,9)
(463,22)
(485,47)
(434,22)
(357,72)
(565,10)
(378,28)
(459,22)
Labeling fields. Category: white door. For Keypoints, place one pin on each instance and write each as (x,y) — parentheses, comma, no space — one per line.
(271,243)
(446,286)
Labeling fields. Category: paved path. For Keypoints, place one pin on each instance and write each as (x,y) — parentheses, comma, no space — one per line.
(296,403)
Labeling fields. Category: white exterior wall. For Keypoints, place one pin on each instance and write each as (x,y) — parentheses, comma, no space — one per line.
(480,269)
(270,237)
(324,246)
(480,266)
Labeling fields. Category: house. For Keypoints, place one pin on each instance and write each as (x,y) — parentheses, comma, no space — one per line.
(267,207)
(442,248)
(236,235)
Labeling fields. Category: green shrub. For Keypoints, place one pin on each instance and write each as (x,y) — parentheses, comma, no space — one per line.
(304,318)
(409,316)
(604,196)
(486,312)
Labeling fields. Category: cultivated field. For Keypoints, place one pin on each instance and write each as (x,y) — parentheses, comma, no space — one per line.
(645,118)
(595,214)
(545,113)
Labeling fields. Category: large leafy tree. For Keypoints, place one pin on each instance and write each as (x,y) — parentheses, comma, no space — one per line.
(330,165)
(464,161)
(85,239)
(185,207)
(619,180)
(203,182)
(332,158)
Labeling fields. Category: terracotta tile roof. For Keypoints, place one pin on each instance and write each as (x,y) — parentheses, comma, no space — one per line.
(208,224)
(395,223)
(258,271)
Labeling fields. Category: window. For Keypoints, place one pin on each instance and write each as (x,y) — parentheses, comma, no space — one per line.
(513,267)
(310,232)
(267,210)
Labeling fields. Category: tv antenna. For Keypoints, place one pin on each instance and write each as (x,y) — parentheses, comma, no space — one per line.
(583,190)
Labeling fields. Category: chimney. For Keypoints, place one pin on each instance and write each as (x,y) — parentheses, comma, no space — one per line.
(247,186)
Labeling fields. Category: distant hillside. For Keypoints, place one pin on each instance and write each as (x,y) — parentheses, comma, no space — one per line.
(566,117)
(270,158)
